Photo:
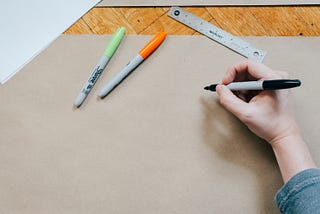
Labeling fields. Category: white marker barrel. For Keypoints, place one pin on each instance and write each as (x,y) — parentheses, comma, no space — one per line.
(249,85)
(96,73)
(121,75)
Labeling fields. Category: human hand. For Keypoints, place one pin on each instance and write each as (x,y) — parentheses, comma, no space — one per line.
(269,114)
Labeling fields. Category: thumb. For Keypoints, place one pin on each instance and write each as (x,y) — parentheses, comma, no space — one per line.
(231,102)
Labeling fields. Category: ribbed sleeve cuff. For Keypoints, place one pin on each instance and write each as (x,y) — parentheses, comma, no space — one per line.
(288,195)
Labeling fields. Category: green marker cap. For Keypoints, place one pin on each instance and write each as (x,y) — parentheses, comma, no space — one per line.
(115,41)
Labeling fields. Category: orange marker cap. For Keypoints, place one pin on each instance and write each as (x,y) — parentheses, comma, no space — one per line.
(152,45)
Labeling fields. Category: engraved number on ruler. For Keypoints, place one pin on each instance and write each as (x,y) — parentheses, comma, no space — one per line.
(217,34)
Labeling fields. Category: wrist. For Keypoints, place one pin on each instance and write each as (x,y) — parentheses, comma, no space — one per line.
(285,138)
(286,131)
(292,154)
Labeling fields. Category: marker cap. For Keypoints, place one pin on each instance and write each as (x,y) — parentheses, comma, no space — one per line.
(152,45)
(115,41)
(280,84)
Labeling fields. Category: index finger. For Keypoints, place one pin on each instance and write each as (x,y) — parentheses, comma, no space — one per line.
(249,68)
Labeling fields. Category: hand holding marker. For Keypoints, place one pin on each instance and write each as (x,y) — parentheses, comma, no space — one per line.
(259,85)
(143,54)
(97,71)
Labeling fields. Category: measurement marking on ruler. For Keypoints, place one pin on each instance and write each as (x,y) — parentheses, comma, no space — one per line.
(217,34)
(214,33)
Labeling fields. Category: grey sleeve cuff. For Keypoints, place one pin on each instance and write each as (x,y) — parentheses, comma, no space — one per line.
(301,194)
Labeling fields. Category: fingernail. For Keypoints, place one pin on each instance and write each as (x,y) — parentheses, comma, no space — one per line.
(219,88)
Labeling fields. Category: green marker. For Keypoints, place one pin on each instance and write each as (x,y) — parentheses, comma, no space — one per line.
(97,71)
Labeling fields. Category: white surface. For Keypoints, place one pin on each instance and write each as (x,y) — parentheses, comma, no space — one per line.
(203,2)
(27,27)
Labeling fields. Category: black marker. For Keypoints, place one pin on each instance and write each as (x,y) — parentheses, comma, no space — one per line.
(259,85)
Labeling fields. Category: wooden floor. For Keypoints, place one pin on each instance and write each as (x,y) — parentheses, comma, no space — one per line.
(241,21)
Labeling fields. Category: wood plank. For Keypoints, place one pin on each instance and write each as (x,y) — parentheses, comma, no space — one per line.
(107,20)
(237,20)
(283,21)
(142,18)
(241,21)
(80,27)
(165,23)
(311,15)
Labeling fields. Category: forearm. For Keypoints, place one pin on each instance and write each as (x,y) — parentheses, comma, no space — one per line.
(292,155)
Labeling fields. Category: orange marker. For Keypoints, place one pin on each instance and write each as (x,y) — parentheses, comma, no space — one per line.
(143,54)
